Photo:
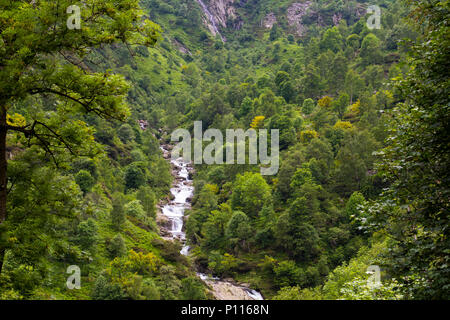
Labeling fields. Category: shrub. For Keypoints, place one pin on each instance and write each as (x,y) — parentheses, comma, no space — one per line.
(104,290)
(308,106)
(192,289)
(308,135)
(134,209)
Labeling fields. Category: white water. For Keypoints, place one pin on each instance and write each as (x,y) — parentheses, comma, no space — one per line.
(205,276)
(185,250)
(255,295)
(211,19)
(174,211)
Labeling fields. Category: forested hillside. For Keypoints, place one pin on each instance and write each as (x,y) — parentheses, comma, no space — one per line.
(363,119)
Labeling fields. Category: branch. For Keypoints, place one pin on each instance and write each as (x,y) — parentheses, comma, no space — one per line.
(85,105)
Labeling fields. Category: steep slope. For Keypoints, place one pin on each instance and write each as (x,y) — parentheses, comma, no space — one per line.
(311,69)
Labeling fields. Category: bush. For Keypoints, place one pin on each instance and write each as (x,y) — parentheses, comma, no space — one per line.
(139,288)
(192,289)
(287,274)
(308,106)
(308,135)
(24,280)
(134,209)
(104,290)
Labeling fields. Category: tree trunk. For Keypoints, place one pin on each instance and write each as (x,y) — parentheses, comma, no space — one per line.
(3,178)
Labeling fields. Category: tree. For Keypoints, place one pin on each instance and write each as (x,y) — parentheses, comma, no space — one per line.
(287,91)
(274,33)
(84,180)
(134,176)
(117,247)
(370,50)
(354,210)
(249,193)
(301,176)
(353,42)
(332,40)
(284,85)
(287,131)
(356,268)
(118,212)
(354,162)
(340,105)
(125,133)
(213,229)
(311,83)
(257,122)
(148,200)
(415,208)
(281,77)
(288,293)
(45,58)
(87,233)
(238,229)
(86,164)
(353,203)
(245,108)
(353,84)
(306,242)
(339,70)
(38,190)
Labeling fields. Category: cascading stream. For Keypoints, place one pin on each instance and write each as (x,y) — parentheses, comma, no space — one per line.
(174,211)
(181,192)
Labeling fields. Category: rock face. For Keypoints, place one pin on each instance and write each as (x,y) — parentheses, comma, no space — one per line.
(223,10)
(181,47)
(227,291)
(219,14)
(337,17)
(269,21)
(295,13)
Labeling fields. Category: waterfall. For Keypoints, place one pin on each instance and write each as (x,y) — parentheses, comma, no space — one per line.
(182,192)
(211,19)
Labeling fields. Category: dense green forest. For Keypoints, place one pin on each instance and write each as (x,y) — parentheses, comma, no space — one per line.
(364,150)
